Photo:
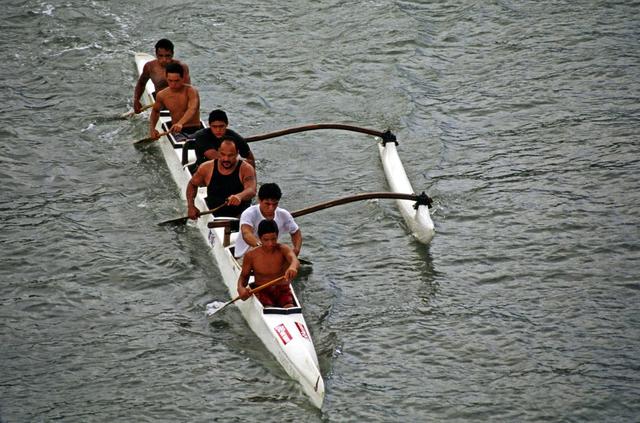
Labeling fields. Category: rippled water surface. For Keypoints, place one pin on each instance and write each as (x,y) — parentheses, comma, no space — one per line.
(521,120)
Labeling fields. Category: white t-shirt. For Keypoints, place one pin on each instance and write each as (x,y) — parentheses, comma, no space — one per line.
(253,217)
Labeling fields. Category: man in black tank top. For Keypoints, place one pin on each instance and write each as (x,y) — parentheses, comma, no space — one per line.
(228,180)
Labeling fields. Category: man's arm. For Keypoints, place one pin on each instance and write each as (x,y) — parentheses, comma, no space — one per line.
(249,236)
(248,178)
(294,264)
(155,115)
(196,181)
(140,85)
(296,241)
(243,290)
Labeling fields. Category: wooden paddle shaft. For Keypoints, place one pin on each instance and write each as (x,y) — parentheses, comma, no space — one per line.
(133,112)
(266,285)
(185,218)
(258,289)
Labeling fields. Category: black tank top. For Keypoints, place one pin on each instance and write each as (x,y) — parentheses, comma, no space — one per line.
(221,187)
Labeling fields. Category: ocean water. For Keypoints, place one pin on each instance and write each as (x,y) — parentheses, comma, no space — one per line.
(520,119)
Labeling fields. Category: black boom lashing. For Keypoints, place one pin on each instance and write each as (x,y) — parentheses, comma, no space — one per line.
(388,136)
(423,200)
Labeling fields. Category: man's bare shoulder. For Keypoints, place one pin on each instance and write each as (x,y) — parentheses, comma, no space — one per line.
(284,248)
(161,99)
(191,89)
(205,168)
(152,66)
(203,174)
(163,93)
(169,95)
(246,169)
(251,255)
(146,70)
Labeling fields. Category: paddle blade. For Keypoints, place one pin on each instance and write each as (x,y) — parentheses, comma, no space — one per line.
(127,115)
(148,139)
(184,219)
(144,140)
(215,307)
(132,112)
(178,221)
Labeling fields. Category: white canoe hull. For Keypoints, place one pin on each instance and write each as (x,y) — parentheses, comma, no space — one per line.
(284,333)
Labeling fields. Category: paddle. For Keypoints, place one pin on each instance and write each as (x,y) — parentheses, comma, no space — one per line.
(143,140)
(184,219)
(216,307)
(133,112)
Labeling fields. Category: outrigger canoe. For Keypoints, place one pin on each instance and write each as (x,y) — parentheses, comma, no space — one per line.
(283,331)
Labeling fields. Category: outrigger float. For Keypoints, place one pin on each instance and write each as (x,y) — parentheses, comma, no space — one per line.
(284,332)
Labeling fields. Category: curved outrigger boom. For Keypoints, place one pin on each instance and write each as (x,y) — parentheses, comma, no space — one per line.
(386,136)
(421,200)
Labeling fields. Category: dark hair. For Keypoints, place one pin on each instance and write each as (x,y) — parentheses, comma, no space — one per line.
(175,68)
(267,227)
(218,115)
(165,44)
(269,191)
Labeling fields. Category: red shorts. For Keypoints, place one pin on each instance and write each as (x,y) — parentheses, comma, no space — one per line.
(276,296)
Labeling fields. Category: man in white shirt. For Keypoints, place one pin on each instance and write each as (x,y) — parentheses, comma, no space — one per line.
(269,195)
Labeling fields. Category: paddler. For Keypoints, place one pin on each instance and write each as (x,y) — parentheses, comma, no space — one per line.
(267,262)
(208,139)
(181,99)
(155,70)
(228,180)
